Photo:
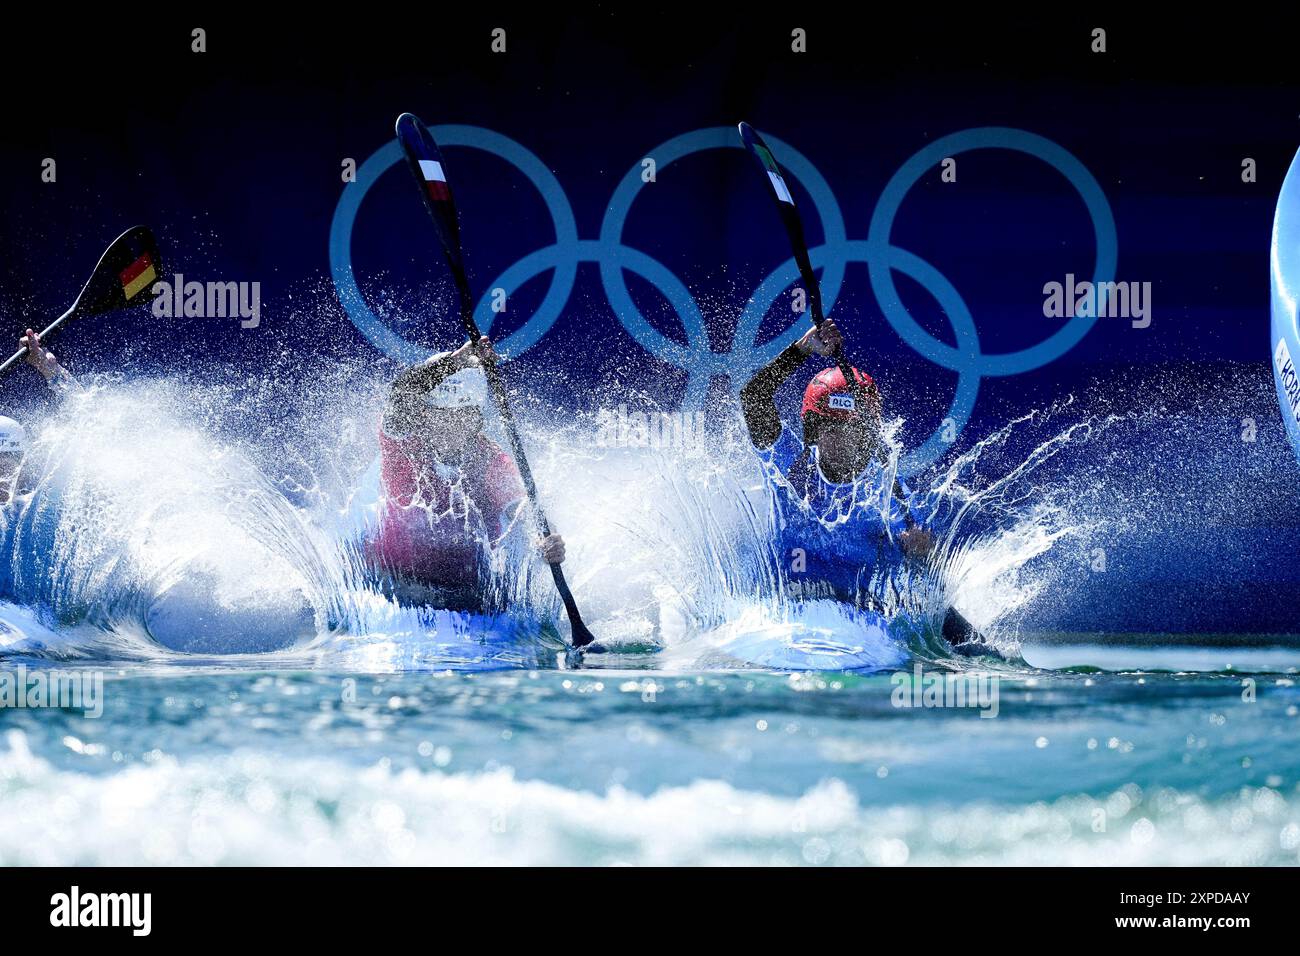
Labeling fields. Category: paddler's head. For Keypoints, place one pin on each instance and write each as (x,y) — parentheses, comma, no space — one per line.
(843,422)
(452,413)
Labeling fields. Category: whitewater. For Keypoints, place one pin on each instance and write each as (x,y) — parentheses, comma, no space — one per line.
(266,701)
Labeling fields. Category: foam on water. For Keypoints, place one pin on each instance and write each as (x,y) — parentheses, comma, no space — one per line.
(248,809)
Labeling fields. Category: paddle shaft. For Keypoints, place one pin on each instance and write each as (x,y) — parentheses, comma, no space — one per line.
(502,399)
(794,231)
(425,162)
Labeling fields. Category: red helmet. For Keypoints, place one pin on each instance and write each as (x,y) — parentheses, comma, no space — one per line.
(829,396)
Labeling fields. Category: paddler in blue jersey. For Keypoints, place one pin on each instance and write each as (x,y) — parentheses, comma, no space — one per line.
(838,506)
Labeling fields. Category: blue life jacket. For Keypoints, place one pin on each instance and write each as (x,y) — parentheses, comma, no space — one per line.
(837,533)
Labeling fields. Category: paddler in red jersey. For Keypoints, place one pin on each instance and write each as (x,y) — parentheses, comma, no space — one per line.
(450,492)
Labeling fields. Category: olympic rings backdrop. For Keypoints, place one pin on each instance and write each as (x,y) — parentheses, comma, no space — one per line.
(697,358)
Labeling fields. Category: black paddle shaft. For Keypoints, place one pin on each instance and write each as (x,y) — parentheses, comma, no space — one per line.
(502,398)
(425,162)
(794,230)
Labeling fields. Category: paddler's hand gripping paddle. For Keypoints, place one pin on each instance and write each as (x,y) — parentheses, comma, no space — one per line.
(425,162)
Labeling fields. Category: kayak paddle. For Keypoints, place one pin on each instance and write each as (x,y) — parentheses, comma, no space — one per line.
(794,229)
(122,278)
(425,162)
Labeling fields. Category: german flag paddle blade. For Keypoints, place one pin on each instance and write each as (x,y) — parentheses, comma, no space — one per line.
(125,274)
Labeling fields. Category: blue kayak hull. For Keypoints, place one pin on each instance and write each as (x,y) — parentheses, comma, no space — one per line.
(817,636)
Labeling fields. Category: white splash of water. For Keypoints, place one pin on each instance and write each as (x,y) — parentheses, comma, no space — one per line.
(142,522)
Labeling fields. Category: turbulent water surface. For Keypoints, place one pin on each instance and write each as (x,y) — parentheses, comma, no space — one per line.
(633,766)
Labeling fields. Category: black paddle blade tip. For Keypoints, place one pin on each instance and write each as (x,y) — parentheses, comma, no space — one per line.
(749,136)
(406,121)
(581,636)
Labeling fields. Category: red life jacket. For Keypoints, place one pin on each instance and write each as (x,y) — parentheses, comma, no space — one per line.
(432,528)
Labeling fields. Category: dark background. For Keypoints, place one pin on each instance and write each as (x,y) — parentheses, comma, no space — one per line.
(233,157)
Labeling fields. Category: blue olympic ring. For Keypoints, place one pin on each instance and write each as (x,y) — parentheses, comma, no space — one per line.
(700,362)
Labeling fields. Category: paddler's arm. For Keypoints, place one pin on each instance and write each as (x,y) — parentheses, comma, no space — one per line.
(758,397)
(415,382)
(915,540)
(43,360)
